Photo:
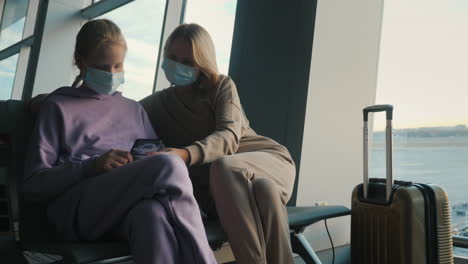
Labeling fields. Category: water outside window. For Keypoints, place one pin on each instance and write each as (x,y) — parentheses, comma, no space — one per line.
(423,73)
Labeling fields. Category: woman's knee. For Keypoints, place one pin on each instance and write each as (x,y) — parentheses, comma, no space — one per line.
(265,189)
(221,165)
(226,170)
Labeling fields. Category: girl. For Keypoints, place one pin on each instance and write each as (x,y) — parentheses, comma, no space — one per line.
(250,176)
(80,166)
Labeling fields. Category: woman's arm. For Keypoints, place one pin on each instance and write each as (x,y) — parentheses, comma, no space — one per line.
(44,178)
(147,126)
(225,139)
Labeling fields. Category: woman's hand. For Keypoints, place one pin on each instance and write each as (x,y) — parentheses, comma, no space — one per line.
(183,153)
(114,158)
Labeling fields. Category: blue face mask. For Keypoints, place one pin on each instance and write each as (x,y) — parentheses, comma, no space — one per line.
(179,74)
(103,82)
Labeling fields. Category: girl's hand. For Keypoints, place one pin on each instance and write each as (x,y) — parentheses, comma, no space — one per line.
(114,158)
(183,153)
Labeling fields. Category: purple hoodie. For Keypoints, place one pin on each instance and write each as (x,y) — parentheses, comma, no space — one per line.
(74,126)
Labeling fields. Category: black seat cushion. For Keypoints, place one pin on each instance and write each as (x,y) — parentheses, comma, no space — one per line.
(303,216)
(80,252)
(299,217)
(84,252)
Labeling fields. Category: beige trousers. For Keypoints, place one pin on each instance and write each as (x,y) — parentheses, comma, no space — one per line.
(250,191)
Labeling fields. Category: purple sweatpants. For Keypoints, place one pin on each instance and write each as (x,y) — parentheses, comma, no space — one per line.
(148,202)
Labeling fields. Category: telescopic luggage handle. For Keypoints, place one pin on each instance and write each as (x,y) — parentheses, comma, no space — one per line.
(378,108)
(388,143)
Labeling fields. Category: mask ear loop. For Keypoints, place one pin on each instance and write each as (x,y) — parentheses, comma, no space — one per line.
(201,77)
(78,79)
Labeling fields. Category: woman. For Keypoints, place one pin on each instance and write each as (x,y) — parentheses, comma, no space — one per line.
(250,176)
(80,165)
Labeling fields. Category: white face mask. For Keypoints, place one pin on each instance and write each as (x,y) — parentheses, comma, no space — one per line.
(178,73)
(103,82)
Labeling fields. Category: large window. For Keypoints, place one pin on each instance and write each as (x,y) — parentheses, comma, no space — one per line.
(14,44)
(423,72)
(7,76)
(217,17)
(13,20)
(141,23)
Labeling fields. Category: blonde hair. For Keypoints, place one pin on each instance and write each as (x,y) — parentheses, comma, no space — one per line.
(92,35)
(202,48)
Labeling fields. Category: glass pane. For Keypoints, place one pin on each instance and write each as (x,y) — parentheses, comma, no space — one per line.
(423,73)
(142,33)
(14,16)
(217,17)
(7,76)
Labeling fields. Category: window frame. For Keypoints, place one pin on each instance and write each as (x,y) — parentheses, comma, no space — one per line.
(35,25)
(2,5)
(102,7)
(174,16)
(21,47)
(183,20)
(16,48)
(27,48)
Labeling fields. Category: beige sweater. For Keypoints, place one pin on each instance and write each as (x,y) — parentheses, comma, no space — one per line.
(208,121)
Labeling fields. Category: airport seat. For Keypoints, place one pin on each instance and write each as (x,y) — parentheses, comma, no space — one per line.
(36,235)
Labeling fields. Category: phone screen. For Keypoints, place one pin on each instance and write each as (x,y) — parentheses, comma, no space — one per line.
(143,146)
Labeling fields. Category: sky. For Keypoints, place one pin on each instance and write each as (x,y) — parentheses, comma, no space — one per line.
(217,17)
(7,76)
(8,36)
(423,64)
(142,33)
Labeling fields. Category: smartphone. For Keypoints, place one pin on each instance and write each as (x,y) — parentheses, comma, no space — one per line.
(143,146)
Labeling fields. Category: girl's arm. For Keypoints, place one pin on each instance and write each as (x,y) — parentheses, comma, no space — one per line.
(225,139)
(149,130)
(44,178)
(36,102)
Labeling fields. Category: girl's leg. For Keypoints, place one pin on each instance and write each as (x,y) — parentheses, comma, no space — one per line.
(151,236)
(250,191)
(107,199)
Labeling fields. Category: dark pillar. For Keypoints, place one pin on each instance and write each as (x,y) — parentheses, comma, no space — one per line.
(270,63)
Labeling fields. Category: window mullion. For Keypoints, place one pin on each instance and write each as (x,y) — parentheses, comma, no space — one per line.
(173,18)
(30,18)
(21,67)
(102,7)
(2,6)
(15,48)
(33,52)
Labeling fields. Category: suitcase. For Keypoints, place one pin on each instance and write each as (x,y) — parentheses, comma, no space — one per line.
(398,222)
